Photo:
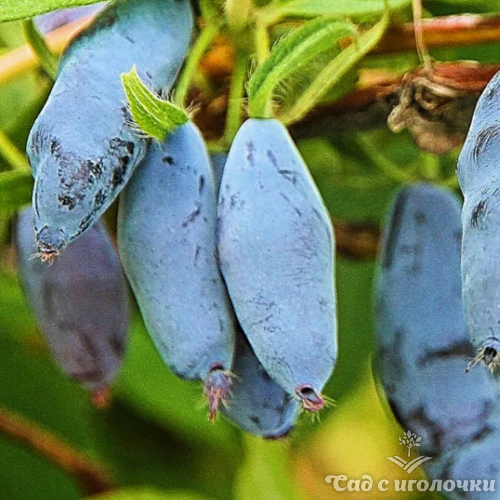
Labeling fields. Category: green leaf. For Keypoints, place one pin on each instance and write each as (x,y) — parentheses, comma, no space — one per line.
(147,494)
(358,10)
(11,10)
(265,472)
(289,57)
(154,116)
(15,190)
(335,71)
(48,60)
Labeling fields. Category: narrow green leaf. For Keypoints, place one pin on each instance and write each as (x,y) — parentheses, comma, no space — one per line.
(11,10)
(15,190)
(288,57)
(48,60)
(153,115)
(358,10)
(335,70)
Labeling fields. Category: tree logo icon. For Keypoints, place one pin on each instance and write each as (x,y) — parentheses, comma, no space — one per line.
(409,440)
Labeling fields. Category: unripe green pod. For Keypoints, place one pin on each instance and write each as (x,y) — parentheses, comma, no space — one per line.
(166,235)
(256,403)
(83,147)
(423,347)
(80,302)
(276,251)
(479,179)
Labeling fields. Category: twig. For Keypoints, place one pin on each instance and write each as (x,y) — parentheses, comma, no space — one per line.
(419,36)
(356,240)
(369,107)
(91,476)
(450,31)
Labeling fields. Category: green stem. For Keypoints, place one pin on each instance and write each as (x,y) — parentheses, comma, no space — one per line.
(361,182)
(262,43)
(236,95)
(48,60)
(419,36)
(197,51)
(11,154)
(429,166)
(238,13)
(208,9)
(388,168)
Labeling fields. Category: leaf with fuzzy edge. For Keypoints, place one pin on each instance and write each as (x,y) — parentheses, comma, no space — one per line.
(12,10)
(335,71)
(288,57)
(154,116)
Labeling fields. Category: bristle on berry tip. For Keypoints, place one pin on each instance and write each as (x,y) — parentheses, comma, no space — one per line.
(217,388)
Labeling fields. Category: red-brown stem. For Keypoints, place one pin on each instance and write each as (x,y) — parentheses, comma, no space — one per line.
(91,476)
(450,31)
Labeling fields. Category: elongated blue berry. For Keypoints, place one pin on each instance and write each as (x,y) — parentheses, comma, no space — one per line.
(423,346)
(479,179)
(256,403)
(82,147)
(166,233)
(80,302)
(276,251)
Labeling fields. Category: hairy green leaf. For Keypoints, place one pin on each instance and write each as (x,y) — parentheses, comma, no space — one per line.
(335,71)
(11,10)
(153,115)
(289,57)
